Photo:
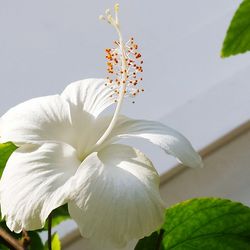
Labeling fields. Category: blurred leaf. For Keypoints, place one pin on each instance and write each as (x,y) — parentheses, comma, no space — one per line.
(6,149)
(36,242)
(207,224)
(56,244)
(149,243)
(59,215)
(237,39)
(3,247)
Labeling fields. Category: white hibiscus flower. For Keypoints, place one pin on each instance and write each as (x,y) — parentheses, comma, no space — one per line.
(68,153)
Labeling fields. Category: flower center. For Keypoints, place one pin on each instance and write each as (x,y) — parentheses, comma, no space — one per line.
(124,63)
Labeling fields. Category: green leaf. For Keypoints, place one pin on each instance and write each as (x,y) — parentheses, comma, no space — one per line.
(237,39)
(56,244)
(207,224)
(150,242)
(6,149)
(59,215)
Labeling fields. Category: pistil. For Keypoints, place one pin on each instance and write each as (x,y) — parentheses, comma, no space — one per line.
(123,64)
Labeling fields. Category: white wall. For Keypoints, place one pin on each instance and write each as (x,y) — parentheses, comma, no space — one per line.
(44,45)
(226,174)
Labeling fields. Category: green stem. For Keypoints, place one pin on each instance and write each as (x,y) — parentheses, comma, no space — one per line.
(159,240)
(49,232)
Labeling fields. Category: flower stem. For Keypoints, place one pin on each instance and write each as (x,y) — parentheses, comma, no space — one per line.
(159,240)
(49,232)
(26,240)
(10,241)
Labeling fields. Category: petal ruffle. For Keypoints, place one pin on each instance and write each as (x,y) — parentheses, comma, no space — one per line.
(170,140)
(116,197)
(35,181)
(87,99)
(39,119)
(89,95)
(68,118)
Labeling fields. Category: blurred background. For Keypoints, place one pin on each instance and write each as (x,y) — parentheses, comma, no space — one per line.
(45,45)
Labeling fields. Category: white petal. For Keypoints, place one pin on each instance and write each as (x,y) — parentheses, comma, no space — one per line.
(34,183)
(39,119)
(116,197)
(171,141)
(68,118)
(87,99)
(48,119)
(89,95)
